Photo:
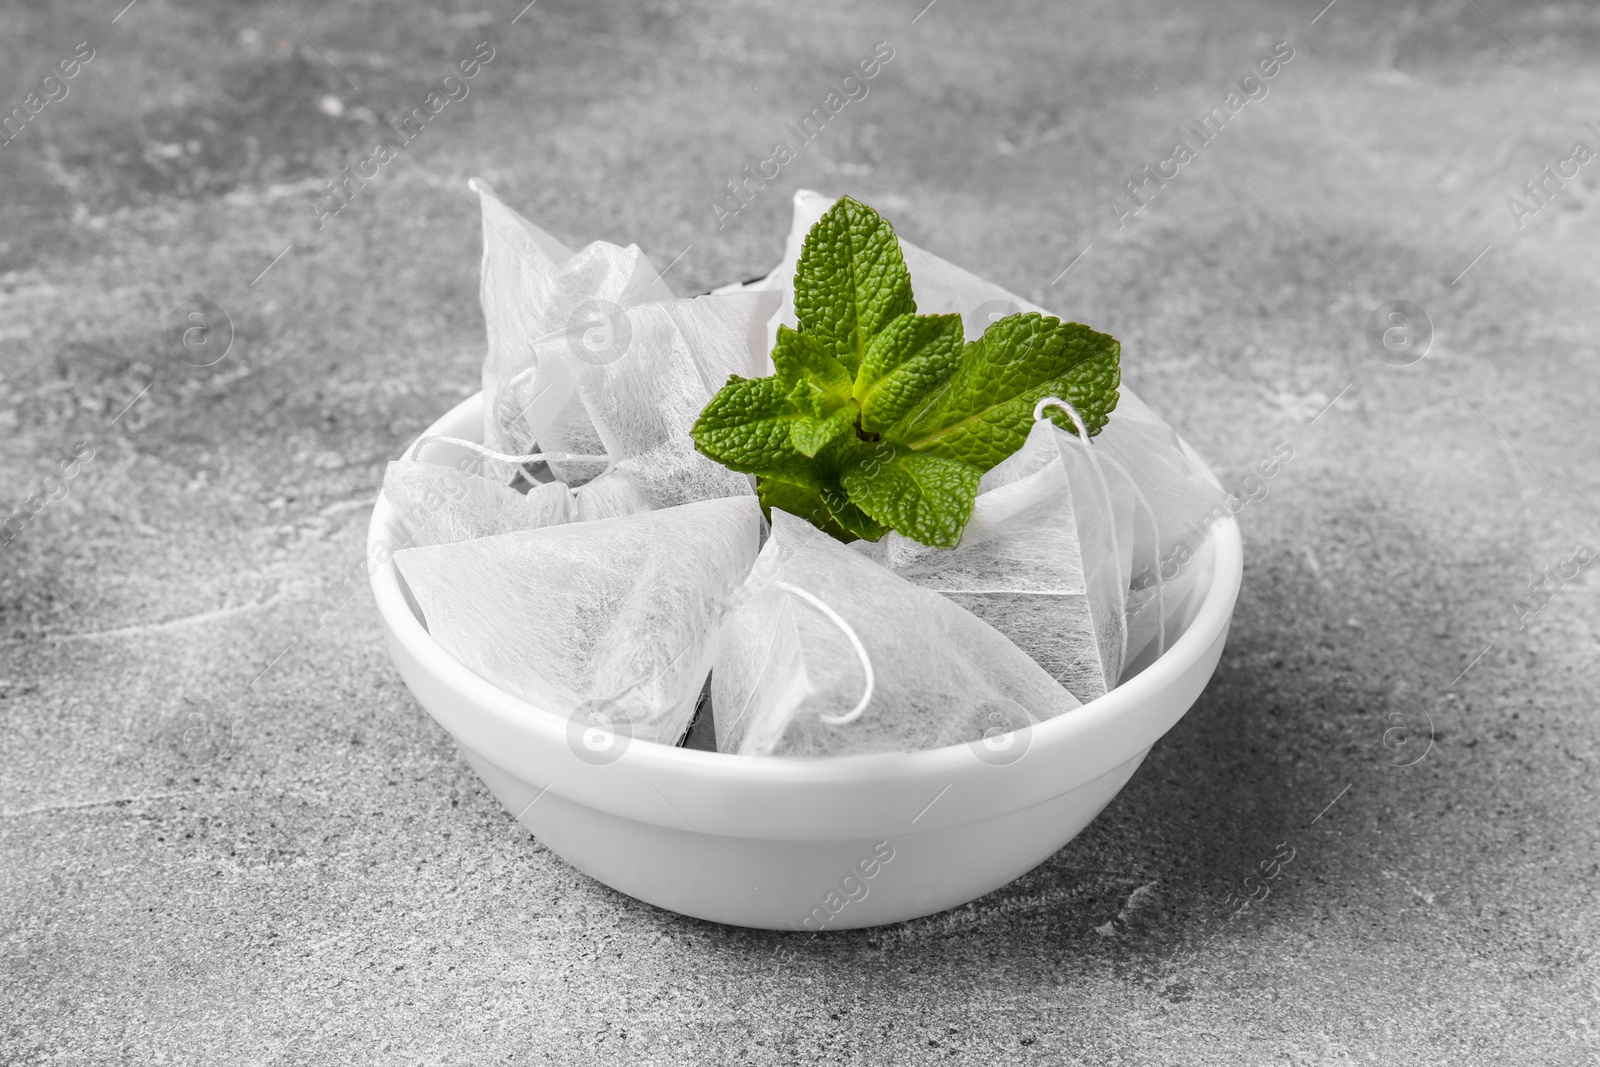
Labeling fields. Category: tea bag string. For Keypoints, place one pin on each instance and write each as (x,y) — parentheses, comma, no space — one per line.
(855,642)
(489,453)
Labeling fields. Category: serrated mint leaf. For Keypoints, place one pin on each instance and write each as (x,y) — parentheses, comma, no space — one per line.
(802,358)
(746,427)
(809,398)
(983,411)
(911,356)
(851,517)
(851,281)
(809,434)
(927,498)
(801,501)
(819,391)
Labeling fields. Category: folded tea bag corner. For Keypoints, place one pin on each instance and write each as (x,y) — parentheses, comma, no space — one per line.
(789,675)
(941,287)
(435,504)
(643,393)
(531,287)
(622,610)
(1045,559)
(613,493)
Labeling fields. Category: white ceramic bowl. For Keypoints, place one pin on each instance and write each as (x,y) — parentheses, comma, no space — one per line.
(807,844)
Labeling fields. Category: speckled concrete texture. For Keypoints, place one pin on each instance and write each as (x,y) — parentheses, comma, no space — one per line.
(336,886)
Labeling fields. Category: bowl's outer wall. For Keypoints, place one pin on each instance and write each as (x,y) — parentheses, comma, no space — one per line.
(802,885)
(764,843)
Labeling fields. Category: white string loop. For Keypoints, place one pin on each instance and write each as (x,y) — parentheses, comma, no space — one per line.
(489,453)
(855,643)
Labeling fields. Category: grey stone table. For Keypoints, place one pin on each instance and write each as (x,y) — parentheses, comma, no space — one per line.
(337,887)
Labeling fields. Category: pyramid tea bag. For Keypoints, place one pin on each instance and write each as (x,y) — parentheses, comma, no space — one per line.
(830,654)
(534,286)
(621,611)
(436,504)
(642,394)
(1045,559)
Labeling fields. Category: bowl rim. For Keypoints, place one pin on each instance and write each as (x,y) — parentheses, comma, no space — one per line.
(1210,621)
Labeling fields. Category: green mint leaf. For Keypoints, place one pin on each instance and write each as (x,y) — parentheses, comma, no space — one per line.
(851,281)
(746,427)
(802,501)
(848,523)
(819,390)
(809,434)
(911,356)
(927,498)
(982,412)
(852,518)
(809,398)
(802,358)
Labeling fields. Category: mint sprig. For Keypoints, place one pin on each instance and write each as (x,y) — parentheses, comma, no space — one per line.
(879,418)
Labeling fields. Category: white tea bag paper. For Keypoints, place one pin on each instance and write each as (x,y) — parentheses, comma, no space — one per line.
(1179,509)
(613,493)
(788,678)
(621,610)
(438,504)
(642,395)
(1045,559)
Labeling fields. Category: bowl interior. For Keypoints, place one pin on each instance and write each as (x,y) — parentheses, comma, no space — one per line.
(1197,625)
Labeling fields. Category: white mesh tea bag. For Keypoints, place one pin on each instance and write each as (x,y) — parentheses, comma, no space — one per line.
(1045,558)
(436,504)
(621,612)
(830,654)
(643,393)
(533,286)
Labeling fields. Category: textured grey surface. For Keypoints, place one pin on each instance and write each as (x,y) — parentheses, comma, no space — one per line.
(339,888)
